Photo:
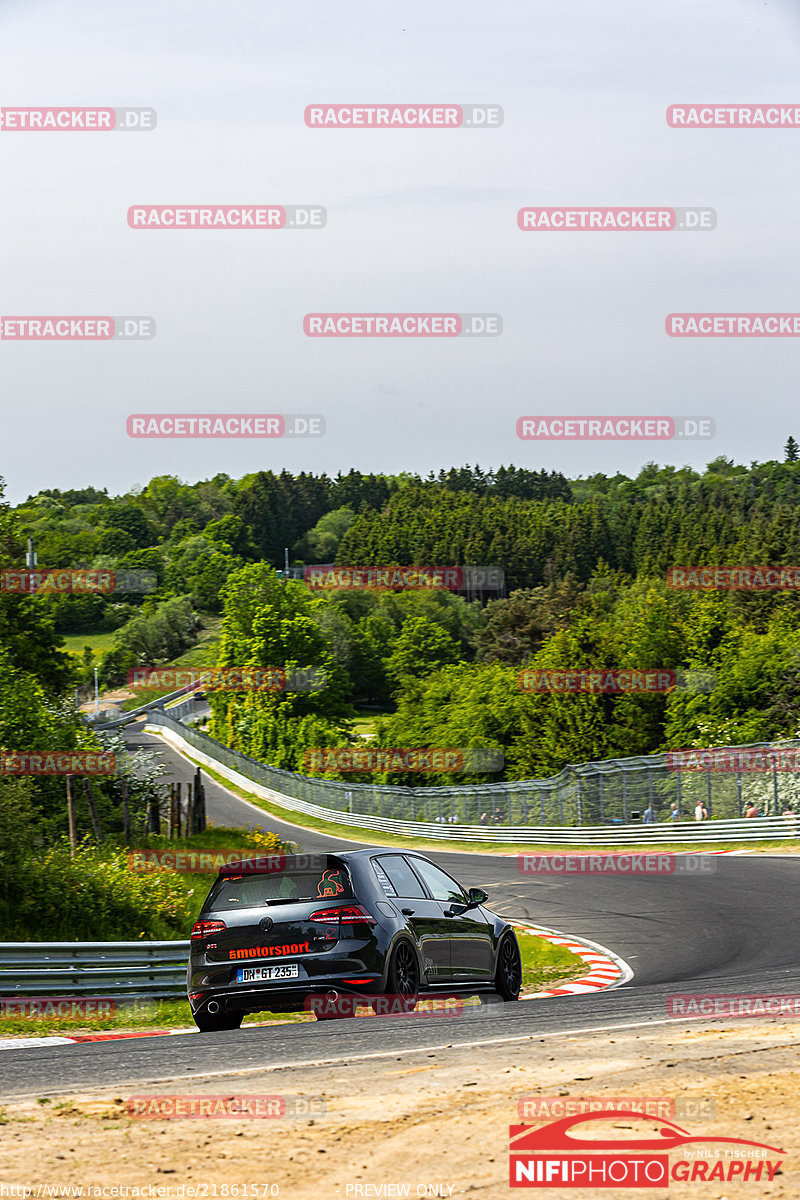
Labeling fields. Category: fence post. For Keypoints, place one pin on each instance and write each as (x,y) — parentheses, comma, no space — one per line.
(73,833)
(580,798)
(708,789)
(775,786)
(625,795)
(90,804)
(126,813)
(739,791)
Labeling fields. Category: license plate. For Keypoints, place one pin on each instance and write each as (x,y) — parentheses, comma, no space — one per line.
(254,974)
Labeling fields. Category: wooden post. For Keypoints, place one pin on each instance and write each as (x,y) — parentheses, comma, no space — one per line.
(153,816)
(189,810)
(177,810)
(199,803)
(90,804)
(126,815)
(73,833)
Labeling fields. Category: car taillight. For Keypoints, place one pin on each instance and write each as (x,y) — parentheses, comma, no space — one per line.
(203,929)
(344,914)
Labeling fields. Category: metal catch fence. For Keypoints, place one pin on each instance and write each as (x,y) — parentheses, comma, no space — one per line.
(607,796)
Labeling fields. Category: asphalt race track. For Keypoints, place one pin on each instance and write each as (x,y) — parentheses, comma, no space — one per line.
(730,930)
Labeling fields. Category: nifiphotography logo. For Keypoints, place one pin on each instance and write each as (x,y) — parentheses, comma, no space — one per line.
(551,1156)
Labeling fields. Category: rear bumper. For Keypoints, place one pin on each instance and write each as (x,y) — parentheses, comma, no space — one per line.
(275,996)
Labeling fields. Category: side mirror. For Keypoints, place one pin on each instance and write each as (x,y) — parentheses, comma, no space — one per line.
(477,896)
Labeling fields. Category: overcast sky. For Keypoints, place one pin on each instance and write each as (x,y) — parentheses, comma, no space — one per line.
(418,221)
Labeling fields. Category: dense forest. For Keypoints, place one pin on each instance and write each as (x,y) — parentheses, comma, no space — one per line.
(584,563)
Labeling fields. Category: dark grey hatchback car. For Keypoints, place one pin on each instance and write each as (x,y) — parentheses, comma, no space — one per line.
(282,933)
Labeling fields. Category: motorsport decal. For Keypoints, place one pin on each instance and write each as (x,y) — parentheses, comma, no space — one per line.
(270,951)
(551,1157)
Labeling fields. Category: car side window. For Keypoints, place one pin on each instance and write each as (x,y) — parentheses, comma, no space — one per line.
(440,885)
(400,875)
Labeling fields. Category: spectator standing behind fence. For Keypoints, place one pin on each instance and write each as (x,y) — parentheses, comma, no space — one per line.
(701,812)
(650,816)
(789,813)
(751,811)
(674,812)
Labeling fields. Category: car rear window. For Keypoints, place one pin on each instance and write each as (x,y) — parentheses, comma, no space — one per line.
(280,887)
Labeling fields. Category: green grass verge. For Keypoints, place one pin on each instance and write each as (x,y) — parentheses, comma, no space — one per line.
(99,642)
(543,966)
(378,838)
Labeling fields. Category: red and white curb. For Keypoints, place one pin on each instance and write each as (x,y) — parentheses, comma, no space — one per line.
(22,1042)
(606,969)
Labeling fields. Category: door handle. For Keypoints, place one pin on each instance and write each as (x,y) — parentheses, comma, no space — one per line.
(408,912)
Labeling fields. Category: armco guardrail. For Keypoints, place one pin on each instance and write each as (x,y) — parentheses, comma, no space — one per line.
(171,698)
(429,812)
(125,970)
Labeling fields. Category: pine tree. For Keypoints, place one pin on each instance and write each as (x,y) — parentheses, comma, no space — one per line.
(790,451)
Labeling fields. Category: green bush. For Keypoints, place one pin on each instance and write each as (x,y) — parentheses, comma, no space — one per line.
(92,897)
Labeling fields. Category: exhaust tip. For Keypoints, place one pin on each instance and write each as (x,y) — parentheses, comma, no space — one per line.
(213,1006)
(331,997)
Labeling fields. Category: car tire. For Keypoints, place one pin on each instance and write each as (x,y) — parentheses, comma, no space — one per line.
(508,972)
(208,1022)
(402,977)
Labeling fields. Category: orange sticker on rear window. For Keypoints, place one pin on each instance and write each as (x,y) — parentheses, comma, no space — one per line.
(330,885)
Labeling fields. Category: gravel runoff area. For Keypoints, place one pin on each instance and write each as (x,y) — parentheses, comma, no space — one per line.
(433,1118)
